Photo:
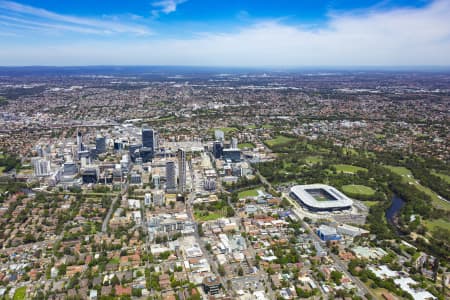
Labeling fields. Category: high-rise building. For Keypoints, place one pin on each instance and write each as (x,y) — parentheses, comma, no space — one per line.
(232,154)
(182,169)
(219,135)
(156,181)
(171,183)
(146,154)
(217,149)
(41,167)
(79,141)
(100,144)
(70,168)
(148,144)
(234,143)
(134,150)
(148,138)
(148,199)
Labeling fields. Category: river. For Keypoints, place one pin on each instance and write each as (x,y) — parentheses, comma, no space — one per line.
(393,210)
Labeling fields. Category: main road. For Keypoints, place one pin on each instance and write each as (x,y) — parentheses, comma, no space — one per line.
(111,207)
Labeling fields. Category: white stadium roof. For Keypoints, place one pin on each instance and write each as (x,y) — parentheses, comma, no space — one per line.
(342,201)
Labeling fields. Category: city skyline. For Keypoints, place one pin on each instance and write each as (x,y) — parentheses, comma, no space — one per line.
(203,33)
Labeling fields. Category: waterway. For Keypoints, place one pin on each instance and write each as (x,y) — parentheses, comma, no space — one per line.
(393,210)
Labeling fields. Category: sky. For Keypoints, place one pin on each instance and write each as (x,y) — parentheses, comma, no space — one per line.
(232,33)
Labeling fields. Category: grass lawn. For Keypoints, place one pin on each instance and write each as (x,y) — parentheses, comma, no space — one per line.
(114,260)
(253,126)
(249,193)
(444,177)
(350,151)
(408,177)
(209,217)
(432,224)
(348,168)
(356,189)
(20,293)
(246,145)
(1,170)
(370,203)
(267,126)
(279,140)
(313,159)
(402,171)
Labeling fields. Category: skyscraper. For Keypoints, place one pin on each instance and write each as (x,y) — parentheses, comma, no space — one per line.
(234,143)
(79,141)
(148,138)
(182,169)
(148,144)
(170,176)
(100,144)
(219,135)
(41,167)
(217,149)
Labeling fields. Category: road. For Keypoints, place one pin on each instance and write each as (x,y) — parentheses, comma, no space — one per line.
(337,261)
(111,208)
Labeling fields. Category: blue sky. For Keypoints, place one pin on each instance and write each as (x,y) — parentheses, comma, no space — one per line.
(225,33)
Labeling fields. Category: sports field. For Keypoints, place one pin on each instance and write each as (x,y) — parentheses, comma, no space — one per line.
(279,140)
(348,168)
(357,189)
(248,193)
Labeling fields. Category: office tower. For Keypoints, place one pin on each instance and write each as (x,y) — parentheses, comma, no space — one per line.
(148,138)
(70,168)
(90,175)
(135,178)
(156,181)
(170,176)
(217,149)
(158,198)
(182,169)
(146,154)
(219,135)
(41,167)
(79,141)
(134,150)
(234,143)
(209,184)
(234,155)
(100,144)
(147,199)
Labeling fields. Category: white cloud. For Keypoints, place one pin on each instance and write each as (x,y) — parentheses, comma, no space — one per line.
(28,14)
(166,6)
(399,37)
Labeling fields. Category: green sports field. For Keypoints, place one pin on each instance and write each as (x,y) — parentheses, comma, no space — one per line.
(348,168)
(279,140)
(248,193)
(357,189)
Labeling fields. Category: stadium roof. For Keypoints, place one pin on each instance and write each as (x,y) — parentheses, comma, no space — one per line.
(341,201)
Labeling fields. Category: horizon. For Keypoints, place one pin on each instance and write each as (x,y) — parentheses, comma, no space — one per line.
(281,34)
(243,67)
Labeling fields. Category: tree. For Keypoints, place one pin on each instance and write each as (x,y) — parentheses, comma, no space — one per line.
(336,276)
(221,270)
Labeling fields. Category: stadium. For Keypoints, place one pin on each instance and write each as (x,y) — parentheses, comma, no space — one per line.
(320,197)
